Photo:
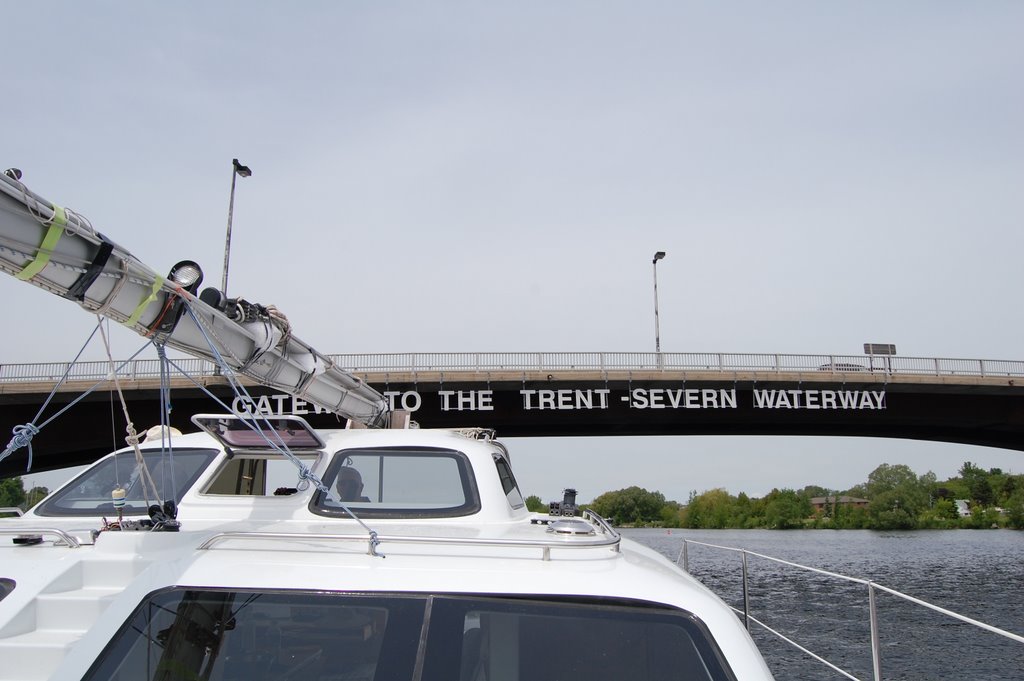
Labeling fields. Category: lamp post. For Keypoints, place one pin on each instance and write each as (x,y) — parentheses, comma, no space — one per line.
(237,170)
(657,333)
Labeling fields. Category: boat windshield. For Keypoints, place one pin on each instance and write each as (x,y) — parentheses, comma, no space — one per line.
(324,636)
(401,482)
(89,494)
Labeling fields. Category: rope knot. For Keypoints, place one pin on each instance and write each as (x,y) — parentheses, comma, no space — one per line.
(374,543)
(133,437)
(305,477)
(22,438)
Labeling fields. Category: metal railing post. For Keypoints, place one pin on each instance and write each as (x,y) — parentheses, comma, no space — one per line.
(746,595)
(876,651)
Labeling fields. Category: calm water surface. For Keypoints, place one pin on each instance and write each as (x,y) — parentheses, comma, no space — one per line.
(977,573)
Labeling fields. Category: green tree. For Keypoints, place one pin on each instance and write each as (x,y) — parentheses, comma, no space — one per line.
(12,492)
(533,503)
(742,511)
(898,496)
(946,508)
(709,510)
(670,515)
(633,505)
(977,483)
(1015,510)
(812,491)
(785,509)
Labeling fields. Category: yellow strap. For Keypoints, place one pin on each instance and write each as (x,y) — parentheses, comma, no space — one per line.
(57,225)
(157,285)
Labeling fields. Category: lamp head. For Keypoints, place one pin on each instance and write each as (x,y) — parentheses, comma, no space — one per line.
(658,256)
(243,171)
(187,274)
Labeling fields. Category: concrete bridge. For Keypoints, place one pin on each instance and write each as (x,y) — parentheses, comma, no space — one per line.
(979,402)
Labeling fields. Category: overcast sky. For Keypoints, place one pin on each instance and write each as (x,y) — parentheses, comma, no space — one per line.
(460,176)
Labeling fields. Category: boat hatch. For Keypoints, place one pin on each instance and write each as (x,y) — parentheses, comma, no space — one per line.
(237,432)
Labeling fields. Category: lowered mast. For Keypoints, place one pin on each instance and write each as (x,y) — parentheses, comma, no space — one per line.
(59,251)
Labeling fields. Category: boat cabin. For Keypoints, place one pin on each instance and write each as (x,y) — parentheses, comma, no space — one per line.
(286,552)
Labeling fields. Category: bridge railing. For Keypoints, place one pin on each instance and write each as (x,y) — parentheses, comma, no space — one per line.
(483,362)
(672,361)
(96,371)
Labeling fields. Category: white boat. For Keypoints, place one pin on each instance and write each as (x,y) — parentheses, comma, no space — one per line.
(229,554)
(444,575)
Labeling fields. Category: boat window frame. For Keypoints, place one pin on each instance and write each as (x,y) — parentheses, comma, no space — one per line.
(471,494)
(440,619)
(446,605)
(259,431)
(48,506)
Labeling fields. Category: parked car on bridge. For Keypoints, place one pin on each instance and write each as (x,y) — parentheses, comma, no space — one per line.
(842,367)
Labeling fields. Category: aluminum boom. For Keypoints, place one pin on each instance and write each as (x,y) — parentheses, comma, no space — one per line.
(59,251)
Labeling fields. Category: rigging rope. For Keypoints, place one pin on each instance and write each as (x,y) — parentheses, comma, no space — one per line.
(305,474)
(165,417)
(133,437)
(19,442)
(23,434)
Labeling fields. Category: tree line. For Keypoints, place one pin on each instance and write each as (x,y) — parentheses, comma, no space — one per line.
(13,494)
(892,498)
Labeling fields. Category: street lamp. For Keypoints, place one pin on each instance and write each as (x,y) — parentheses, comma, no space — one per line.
(657,333)
(237,170)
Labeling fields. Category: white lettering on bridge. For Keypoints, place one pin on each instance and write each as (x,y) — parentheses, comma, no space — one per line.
(574,399)
(591,398)
(688,398)
(819,399)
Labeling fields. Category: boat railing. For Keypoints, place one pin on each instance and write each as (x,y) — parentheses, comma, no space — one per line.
(610,540)
(37,533)
(872,588)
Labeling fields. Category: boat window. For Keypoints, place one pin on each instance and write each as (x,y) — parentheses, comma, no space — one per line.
(6,587)
(89,493)
(508,483)
(401,482)
(515,640)
(257,475)
(227,635)
(240,635)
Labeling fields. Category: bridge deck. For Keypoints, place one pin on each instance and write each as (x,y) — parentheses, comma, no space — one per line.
(968,401)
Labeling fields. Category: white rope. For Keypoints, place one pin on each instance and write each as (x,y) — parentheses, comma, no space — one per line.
(133,437)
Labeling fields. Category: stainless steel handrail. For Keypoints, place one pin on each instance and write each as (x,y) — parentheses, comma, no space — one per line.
(42,531)
(602,524)
(482,362)
(557,542)
(872,586)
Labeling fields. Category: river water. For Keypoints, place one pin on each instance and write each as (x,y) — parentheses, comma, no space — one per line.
(977,573)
